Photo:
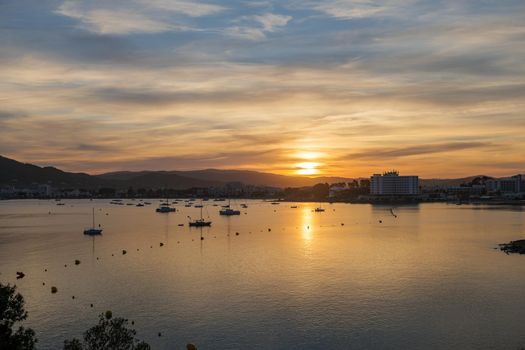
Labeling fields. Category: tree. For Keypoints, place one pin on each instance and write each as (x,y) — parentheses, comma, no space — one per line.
(12,311)
(109,334)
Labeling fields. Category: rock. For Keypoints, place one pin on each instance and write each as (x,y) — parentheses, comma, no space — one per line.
(513,247)
(54,290)
(109,314)
(124,252)
(190,346)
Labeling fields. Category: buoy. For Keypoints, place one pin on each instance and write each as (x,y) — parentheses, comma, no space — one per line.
(54,290)
(91,305)
(269,229)
(43,283)
(161,244)
(73,297)
(77,262)
(160,334)
(202,238)
(236,233)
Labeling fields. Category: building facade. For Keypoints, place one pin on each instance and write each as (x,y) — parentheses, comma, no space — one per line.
(390,183)
(514,184)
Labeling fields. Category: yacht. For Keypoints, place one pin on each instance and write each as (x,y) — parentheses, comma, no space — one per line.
(93,230)
(165,207)
(227,210)
(199,222)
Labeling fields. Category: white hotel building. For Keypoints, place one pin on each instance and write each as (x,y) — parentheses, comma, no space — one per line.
(390,183)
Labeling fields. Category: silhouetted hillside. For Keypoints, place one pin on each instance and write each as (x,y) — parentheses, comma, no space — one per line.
(213,177)
(21,174)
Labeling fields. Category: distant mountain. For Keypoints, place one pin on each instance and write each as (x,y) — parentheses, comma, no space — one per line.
(21,174)
(443,183)
(215,177)
(157,180)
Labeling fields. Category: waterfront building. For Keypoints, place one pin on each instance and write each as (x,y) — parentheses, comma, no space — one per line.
(513,184)
(390,183)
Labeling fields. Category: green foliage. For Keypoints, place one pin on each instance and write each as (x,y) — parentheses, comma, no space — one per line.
(109,334)
(11,312)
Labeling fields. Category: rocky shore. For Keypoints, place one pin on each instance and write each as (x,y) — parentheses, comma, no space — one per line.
(517,247)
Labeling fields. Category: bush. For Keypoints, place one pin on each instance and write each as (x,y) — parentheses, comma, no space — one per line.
(109,334)
(11,312)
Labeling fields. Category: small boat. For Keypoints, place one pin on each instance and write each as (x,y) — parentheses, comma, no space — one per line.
(165,209)
(61,203)
(294,207)
(130,204)
(188,205)
(229,211)
(198,206)
(275,203)
(140,205)
(93,231)
(199,222)
(319,210)
(244,206)
(147,203)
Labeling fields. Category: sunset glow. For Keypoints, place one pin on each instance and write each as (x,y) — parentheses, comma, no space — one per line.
(134,85)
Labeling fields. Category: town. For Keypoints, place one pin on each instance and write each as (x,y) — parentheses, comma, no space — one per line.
(389,187)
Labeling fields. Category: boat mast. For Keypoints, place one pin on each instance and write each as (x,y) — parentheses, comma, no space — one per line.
(93,217)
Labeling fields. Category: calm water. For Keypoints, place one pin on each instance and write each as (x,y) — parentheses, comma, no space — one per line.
(428,279)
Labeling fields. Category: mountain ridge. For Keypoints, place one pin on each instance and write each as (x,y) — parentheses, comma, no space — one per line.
(13,172)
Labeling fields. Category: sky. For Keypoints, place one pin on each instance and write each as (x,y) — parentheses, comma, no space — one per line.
(313,87)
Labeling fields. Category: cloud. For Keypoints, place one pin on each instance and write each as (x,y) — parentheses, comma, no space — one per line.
(352,9)
(381,153)
(135,16)
(393,80)
(256,27)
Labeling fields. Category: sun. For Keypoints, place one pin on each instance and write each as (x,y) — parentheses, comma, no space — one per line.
(307,168)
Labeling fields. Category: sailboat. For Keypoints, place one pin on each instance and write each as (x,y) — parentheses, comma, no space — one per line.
(165,207)
(93,231)
(199,222)
(227,210)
